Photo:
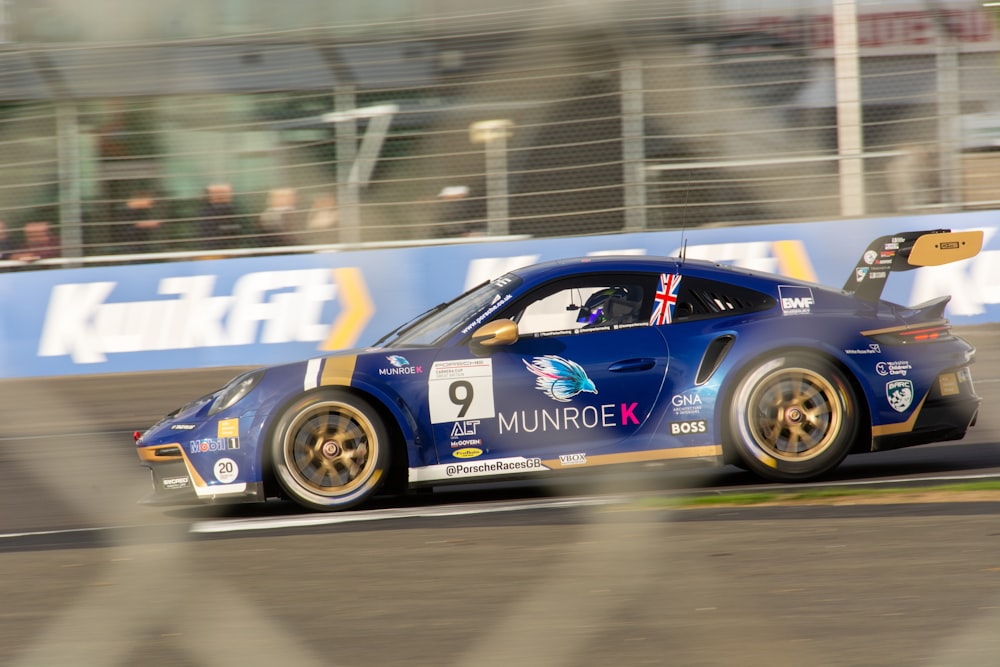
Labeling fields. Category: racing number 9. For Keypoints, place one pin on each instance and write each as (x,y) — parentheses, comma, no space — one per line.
(465,400)
(461,389)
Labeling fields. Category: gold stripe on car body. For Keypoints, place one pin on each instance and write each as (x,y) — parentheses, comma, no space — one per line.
(151,454)
(901,427)
(905,327)
(702,451)
(338,370)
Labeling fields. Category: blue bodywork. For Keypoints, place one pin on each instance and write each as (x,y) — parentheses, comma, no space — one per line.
(654,390)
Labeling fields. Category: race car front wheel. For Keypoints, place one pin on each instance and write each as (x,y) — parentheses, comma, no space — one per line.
(330,450)
(793,418)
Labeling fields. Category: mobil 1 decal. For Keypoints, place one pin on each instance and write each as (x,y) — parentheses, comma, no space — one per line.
(461,389)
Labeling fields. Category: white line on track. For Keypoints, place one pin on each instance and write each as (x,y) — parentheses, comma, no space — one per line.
(275,523)
(272,523)
(76,434)
(66,531)
(465,509)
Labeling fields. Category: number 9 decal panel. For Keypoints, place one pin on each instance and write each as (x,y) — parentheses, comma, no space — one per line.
(544,399)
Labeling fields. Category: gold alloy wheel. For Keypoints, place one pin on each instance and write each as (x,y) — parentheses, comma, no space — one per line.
(794,414)
(329,448)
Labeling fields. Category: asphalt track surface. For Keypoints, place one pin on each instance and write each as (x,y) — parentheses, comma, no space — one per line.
(581,575)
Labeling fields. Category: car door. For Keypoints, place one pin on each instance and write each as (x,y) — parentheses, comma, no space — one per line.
(581,379)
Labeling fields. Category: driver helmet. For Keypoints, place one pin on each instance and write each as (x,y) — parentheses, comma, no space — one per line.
(611,305)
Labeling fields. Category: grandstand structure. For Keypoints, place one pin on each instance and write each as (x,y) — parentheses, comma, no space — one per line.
(552,118)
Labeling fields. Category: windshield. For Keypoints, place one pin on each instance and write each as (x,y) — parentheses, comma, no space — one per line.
(466,312)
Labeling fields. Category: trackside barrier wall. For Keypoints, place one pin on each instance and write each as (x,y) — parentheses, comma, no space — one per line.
(263,310)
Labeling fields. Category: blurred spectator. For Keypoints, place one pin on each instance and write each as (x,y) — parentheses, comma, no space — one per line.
(113,137)
(219,223)
(136,224)
(456,213)
(280,220)
(39,243)
(6,244)
(321,224)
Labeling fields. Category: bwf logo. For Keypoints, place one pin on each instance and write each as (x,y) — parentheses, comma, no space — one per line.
(795,300)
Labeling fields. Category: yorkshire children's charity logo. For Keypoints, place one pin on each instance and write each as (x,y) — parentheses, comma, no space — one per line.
(560,379)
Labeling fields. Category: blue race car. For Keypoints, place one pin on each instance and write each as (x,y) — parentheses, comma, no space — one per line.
(575,364)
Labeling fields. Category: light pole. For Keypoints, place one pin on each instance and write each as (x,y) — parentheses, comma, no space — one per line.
(355,163)
(494,133)
(850,142)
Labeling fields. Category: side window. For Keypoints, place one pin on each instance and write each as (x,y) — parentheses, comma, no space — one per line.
(556,312)
(589,303)
(699,298)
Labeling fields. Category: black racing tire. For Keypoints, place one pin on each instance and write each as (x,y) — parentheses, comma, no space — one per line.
(793,417)
(330,450)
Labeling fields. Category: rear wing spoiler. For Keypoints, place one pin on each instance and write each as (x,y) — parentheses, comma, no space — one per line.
(906,251)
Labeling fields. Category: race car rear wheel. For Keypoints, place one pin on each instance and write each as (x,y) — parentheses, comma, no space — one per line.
(793,418)
(330,450)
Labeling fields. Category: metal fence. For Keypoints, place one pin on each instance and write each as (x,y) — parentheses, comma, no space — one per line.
(543,121)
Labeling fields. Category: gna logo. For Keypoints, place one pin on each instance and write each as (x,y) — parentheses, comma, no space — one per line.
(686,403)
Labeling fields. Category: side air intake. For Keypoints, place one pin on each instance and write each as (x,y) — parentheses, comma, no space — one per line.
(714,354)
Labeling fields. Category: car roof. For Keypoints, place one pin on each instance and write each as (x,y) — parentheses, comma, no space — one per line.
(651,264)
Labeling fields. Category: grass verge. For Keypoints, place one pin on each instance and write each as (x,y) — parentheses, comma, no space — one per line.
(987,490)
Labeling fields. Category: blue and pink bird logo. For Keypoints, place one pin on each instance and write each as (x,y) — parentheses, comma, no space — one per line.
(560,379)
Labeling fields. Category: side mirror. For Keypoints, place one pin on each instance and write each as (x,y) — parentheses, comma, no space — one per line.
(496,333)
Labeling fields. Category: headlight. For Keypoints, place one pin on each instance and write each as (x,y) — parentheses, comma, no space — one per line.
(234,392)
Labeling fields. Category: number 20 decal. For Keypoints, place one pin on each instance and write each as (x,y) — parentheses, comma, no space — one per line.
(226,470)
(461,389)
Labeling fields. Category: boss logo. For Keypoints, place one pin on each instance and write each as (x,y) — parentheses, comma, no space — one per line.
(688,427)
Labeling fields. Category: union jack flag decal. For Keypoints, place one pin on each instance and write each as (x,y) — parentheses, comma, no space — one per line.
(665,299)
